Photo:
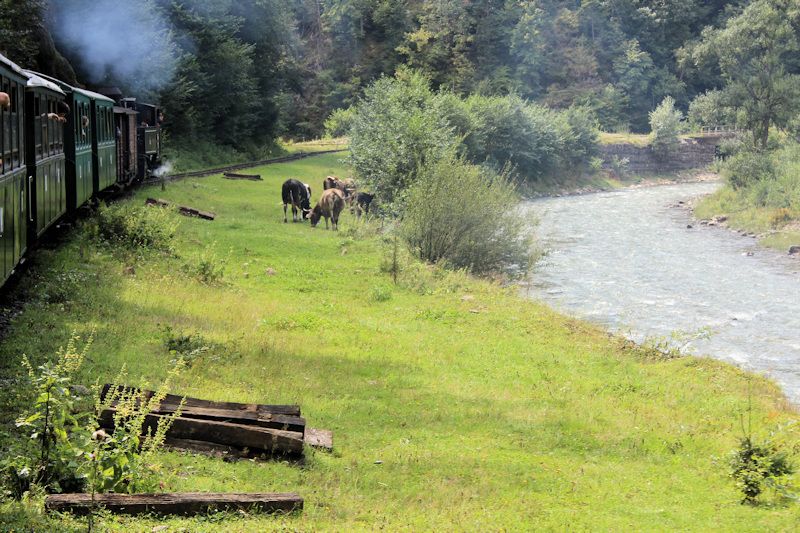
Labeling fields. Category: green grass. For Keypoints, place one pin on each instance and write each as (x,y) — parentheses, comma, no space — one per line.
(636,139)
(455,404)
(320,145)
(778,226)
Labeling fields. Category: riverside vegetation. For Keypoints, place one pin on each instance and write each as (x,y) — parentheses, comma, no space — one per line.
(762,193)
(455,404)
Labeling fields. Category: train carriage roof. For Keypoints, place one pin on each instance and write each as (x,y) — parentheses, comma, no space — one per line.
(34,80)
(13,67)
(70,88)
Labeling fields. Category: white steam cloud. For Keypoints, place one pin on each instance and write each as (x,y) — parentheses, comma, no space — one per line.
(163,170)
(127,42)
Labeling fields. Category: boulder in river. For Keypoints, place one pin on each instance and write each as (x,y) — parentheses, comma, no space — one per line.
(794,250)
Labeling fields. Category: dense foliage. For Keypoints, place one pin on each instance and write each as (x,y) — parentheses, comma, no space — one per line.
(401,125)
(246,71)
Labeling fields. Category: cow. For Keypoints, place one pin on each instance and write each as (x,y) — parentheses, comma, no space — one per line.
(347,186)
(299,196)
(361,200)
(330,204)
(5,101)
(331,182)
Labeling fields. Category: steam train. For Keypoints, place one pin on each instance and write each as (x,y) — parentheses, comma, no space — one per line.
(61,148)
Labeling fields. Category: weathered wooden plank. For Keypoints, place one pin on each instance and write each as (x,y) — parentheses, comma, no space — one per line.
(208,448)
(182,209)
(235,176)
(269,440)
(175,503)
(319,438)
(266,420)
(174,399)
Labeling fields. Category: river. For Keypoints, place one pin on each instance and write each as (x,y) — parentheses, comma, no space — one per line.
(627,261)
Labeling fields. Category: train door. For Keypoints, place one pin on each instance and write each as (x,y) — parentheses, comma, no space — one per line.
(7,260)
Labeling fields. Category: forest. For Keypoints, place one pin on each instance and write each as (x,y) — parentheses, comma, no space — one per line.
(241,73)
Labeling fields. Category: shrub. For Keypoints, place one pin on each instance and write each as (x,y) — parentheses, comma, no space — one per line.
(756,465)
(534,140)
(459,215)
(401,125)
(380,293)
(665,126)
(136,227)
(187,347)
(747,168)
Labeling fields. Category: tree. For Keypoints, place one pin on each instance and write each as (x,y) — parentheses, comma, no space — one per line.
(665,126)
(752,51)
(395,132)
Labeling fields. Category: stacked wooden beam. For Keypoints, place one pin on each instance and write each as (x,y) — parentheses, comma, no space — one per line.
(228,428)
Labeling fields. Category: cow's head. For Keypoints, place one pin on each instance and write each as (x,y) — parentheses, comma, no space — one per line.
(314,216)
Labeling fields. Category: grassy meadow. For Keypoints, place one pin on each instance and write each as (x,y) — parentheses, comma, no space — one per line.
(455,403)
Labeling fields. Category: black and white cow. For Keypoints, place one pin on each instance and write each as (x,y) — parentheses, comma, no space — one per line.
(298,195)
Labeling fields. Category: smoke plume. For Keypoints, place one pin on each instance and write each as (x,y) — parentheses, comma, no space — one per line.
(126,42)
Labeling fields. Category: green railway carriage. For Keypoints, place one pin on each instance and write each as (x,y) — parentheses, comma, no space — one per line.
(47,199)
(13,169)
(90,144)
(104,146)
(79,150)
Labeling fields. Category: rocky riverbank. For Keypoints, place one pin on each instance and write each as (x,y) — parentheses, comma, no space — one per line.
(611,182)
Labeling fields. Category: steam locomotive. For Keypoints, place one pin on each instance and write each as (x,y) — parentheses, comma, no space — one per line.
(62,147)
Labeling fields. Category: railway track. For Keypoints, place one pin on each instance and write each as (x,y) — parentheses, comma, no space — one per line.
(239,166)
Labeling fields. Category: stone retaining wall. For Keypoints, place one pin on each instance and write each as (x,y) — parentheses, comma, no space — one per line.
(690,155)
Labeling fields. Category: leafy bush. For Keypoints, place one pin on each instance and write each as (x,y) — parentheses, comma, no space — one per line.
(400,125)
(756,465)
(459,215)
(580,136)
(709,109)
(380,293)
(665,126)
(136,227)
(747,168)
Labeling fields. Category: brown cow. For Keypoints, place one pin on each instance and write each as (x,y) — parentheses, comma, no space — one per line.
(331,182)
(330,204)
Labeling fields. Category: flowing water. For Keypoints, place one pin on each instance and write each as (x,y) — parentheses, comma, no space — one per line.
(628,261)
